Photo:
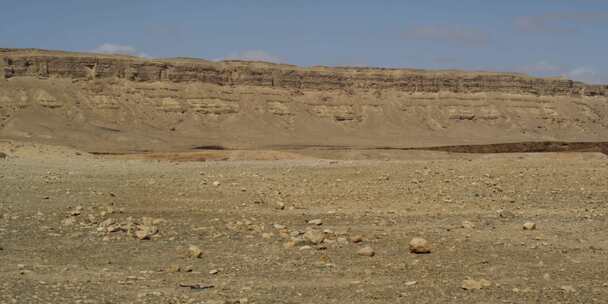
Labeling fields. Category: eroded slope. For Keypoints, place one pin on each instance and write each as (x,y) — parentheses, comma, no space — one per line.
(121,103)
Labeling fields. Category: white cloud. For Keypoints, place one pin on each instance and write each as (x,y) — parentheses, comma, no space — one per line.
(254,55)
(579,73)
(448,33)
(110,48)
(561,23)
(541,67)
(584,74)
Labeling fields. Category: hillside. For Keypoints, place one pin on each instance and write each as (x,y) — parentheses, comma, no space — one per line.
(109,103)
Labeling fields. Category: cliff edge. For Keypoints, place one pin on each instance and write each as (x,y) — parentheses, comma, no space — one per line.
(122,103)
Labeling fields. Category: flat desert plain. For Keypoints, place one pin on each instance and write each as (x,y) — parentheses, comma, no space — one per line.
(309,226)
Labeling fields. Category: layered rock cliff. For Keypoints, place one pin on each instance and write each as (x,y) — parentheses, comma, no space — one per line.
(119,103)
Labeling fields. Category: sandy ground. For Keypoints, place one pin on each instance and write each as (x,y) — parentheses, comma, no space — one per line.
(80,228)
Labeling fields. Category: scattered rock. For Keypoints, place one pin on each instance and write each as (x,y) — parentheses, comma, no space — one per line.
(76,211)
(145,232)
(107,223)
(214,271)
(142,235)
(92,219)
(197,286)
(568,288)
(508,199)
(366,251)
(356,238)
(147,221)
(467,225)
(114,228)
(294,242)
(238,301)
(195,251)
(411,283)
(505,214)
(158,221)
(147,294)
(329,241)
(279,205)
(317,222)
(68,221)
(419,245)
(295,233)
(529,226)
(173,268)
(471,284)
(314,237)
(216,183)
(342,240)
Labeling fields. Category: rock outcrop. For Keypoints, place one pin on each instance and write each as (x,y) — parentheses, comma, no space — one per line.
(20,63)
(118,103)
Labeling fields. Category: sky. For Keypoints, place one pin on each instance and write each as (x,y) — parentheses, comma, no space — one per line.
(566,38)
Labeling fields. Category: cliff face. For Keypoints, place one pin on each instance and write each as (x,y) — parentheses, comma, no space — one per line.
(76,66)
(124,103)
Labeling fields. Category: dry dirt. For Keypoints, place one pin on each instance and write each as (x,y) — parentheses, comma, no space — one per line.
(128,180)
(70,224)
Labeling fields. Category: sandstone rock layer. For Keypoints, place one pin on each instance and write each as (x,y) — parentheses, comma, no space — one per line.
(121,103)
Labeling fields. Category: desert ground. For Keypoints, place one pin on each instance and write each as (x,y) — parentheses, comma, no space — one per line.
(147,180)
(307,226)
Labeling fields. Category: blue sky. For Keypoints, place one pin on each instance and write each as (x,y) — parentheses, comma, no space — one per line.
(541,37)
